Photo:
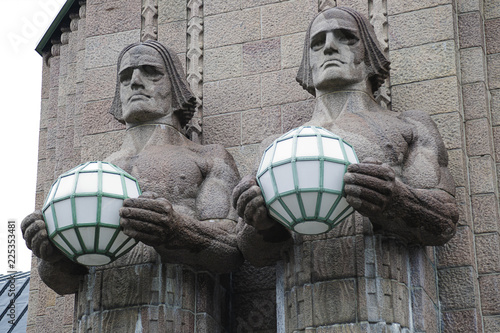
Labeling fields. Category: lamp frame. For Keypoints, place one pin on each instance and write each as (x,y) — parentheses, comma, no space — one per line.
(294,135)
(50,202)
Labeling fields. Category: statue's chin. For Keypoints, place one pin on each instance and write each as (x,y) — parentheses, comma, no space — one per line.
(141,115)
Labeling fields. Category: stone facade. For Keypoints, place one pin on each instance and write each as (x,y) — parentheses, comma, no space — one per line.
(241,59)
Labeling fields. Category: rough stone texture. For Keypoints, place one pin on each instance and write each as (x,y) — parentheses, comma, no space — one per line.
(281,88)
(494,70)
(247,158)
(423,62)
(223,63)
(434,25)
(108,17)
(450,129)
(261,56)
(260,123)
(463,321)
(492,323)
(212,7)
(297,14)
(231,95)
(171,10)
(458,251)
(228,131)
(98,56)
(456,288)
(232,28)
(475,100)
(359,5)
(470,30)
(485,213)
(491,28)
(173,34)
(490,290)
(491,9)
(478,136)
(487,252)
(495,107)
(92,145)
(433,96)
(296,114)
(457,166)
(469,5)
(291,50)
(472,64)
(496,141)
(395,7)
(481,175)
(99,83)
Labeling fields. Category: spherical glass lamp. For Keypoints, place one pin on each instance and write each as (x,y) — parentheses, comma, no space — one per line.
(301,176)
(81,213)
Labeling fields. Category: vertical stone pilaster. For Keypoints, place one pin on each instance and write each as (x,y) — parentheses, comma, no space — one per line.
(378,18)
(325,4)
(194,64)
(149,25)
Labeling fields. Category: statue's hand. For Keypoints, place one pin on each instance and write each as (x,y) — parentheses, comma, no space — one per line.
(369,187)
(148,218)
(250,205)
(37,239)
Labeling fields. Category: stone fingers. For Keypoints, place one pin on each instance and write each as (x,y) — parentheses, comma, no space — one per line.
(245,183)
(245,199)
(374,183)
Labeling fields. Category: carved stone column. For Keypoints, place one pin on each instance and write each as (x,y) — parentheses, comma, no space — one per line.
(194,58)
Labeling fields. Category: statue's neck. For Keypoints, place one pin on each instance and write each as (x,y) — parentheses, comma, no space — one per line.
(161,131)
(329,106)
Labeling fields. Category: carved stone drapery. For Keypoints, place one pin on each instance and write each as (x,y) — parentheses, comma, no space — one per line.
(149,26)
(194,63)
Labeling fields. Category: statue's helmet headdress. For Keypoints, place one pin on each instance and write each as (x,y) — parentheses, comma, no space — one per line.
(183,100)
(375,59)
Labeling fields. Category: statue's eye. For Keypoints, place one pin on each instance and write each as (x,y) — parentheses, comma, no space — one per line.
(151,71)
(318,41)
(346,37)
(126,75)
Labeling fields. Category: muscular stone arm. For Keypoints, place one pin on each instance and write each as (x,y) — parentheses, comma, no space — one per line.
(55,270)
(419,206)
(206,241)
(260,237)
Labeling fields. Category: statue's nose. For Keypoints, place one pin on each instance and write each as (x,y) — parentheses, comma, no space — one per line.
(136,78)
(330,43)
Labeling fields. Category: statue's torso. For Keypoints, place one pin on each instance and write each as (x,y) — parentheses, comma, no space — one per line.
(380,135)
(173,172)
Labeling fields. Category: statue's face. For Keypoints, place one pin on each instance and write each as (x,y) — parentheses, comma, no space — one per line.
(145,88)
(336,53)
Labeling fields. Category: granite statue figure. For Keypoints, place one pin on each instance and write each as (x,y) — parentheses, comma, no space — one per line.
(402,184)
(185,213)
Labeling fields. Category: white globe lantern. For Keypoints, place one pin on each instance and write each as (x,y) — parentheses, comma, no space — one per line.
(301,175)
(81,213)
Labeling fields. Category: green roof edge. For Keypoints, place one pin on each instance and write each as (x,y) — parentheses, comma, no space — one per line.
(53,27)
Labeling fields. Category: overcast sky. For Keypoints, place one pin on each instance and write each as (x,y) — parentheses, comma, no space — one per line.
(22,24)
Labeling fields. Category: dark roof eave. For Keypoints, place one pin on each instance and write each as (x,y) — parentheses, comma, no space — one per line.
(53,30)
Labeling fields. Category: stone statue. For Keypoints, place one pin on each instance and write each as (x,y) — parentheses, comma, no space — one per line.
(184,215)
(402,184)
(402,187)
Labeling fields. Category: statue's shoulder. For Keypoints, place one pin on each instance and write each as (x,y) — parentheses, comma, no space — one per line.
(417,115)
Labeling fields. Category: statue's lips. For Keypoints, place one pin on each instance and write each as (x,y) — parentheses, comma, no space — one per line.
(138,97)
(332,63)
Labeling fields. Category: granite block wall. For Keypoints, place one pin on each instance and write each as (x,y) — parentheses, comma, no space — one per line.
(242,57)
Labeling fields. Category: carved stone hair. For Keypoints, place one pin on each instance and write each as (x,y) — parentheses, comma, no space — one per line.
(374,58)
(183,100)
